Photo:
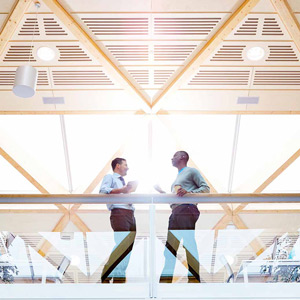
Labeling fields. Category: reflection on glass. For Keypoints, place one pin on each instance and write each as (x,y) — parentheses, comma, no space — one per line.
(72,247)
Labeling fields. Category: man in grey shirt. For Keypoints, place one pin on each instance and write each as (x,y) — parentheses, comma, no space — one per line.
(122,222)
(183,220)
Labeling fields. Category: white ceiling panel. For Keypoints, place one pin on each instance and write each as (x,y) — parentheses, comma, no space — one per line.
(195,5)
(294,4)
(41,27)
(151,26)
(264,6)
(107,6)
(6,6)
(260,27)
(234,53)
(66,53)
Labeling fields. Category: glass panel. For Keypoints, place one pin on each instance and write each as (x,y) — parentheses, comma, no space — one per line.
(167,255)
(207,138)
(265,143)
(115,251)
(40,138)
(89,148)
(288,181)
(11,181)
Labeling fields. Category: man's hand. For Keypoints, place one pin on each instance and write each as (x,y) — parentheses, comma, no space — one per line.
(126,189)
(159,189)
(181,192)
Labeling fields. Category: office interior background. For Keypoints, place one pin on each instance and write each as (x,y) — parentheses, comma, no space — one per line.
(142,79)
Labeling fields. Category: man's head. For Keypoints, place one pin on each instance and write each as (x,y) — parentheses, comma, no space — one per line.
(180,158)
(119,165)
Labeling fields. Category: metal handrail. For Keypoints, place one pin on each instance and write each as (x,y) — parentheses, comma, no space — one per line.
(147,198)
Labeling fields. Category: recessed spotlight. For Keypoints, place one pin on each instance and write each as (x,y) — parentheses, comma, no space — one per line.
(45,53)
(255,53)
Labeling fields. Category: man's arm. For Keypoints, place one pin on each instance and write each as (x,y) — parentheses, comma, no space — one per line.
(107,189)
(200,182)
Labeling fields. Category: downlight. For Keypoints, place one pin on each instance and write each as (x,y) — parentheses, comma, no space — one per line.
(255,53)
(45,53)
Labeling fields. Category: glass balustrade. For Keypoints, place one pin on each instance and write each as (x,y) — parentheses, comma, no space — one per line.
(240,247)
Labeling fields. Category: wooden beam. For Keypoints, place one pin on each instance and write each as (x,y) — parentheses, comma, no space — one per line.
(22,171)
(240,208)
(89,44)
(79,223)
(179,147)
(222,223)
(288,18)
(74,112)
(12,22)
(278,172)
(28,166)
(141,112)
(226,112)
(205,52)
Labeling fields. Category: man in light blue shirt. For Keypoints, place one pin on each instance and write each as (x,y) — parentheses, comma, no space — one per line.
(122,222)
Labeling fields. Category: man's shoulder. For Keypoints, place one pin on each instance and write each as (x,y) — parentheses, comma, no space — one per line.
(192,170)
(108,176)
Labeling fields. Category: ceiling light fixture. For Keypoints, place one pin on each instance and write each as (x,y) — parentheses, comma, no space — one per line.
(45,53)
(26,76)
(255,53)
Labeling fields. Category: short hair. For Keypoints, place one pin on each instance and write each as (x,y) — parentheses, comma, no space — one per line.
(116,161)
(185,155)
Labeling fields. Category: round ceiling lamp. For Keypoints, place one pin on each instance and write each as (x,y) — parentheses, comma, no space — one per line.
(255,53)
(25,81)
(45,53)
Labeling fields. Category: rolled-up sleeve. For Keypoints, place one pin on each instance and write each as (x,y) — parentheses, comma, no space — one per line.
(200,182)
(106,184)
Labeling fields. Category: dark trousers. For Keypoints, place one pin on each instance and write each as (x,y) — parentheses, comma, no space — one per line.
(123,223)
(182,227)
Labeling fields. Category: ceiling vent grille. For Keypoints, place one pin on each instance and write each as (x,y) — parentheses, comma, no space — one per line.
(229,53)
(30,27)
(19,54)
(277,78)
(52,27)
(72,53)
(117,26)
(173,52)
(129,52)
(162,76)
(271,27)
(81,78)
(211,77)
(140,76)
(184,26)
(42,78)
(282,53)
(249,27)
(8,77)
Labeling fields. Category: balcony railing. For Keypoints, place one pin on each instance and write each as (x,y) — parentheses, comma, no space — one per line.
(63,246)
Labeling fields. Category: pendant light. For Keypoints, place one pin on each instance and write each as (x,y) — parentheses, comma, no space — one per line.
(26,76)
